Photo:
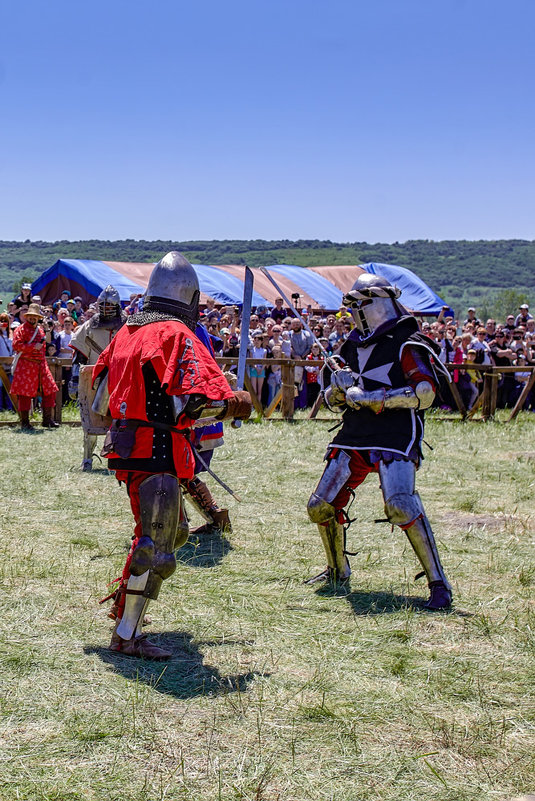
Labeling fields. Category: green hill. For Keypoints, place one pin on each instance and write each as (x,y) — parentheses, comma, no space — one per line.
(462,272)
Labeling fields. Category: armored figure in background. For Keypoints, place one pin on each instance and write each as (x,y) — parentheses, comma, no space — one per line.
(205,440)
(161,379)
(389,378)
(88,341)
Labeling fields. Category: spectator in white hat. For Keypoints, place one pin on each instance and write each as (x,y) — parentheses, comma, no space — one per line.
(523,315)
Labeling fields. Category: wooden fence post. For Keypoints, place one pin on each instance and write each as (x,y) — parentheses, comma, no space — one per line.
(486,397)
(457,398)
(288,390)
(7,387)
(523,395)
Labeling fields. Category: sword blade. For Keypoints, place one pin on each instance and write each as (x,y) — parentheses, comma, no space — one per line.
(219,480)
(244,329)
(331,363)
(244,332)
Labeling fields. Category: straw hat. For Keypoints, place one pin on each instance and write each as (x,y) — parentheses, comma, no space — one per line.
(33,308)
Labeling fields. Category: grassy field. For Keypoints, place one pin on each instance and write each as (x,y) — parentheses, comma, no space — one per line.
(278,691)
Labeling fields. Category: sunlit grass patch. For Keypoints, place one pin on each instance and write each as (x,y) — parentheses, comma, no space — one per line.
(276,691)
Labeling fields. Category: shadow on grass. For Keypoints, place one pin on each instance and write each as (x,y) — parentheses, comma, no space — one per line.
(183,676)
(378,602)
(382,603)
(205,550)
(385,603)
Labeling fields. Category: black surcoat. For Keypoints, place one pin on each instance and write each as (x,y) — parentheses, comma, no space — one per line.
(377,365)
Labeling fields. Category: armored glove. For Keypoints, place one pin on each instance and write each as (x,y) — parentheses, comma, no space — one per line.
(238,407)
(341,381)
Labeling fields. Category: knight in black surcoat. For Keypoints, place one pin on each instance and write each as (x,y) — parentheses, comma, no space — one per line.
(390,375)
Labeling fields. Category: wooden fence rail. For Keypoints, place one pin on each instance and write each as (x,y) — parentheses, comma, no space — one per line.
(285,397)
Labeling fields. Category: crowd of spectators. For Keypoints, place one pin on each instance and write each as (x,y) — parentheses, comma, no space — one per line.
(276,333)
(493,343)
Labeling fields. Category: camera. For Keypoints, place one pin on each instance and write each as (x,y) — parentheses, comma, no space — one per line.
(296,295)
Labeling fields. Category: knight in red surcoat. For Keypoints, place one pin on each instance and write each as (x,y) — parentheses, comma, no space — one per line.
(161,379)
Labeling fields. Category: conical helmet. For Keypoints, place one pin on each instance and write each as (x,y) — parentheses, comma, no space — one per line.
(173,288)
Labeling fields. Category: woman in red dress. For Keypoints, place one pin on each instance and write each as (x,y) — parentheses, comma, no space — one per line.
(31,375)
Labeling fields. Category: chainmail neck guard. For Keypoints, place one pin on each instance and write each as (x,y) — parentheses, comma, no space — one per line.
(155,316)
(112,324)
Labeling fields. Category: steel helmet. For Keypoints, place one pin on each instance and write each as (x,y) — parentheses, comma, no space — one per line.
(173,288)
(109,303)
(372,301)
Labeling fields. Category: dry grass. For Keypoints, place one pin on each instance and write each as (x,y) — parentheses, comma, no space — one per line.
(277,692)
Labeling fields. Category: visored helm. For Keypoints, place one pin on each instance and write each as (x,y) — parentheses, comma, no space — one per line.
(109,303)
(372,301)
(174,288)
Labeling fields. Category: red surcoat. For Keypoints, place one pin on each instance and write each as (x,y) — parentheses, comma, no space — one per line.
(183,366)
(32,374)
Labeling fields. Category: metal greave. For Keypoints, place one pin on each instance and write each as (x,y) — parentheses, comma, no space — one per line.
(420,536)
(322,512)
(164,529)
(333,538)
(90,443)
(404,508)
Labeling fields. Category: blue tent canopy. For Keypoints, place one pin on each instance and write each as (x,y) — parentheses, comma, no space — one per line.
(223,287)
(326,295)
(415,292)
(84,277)
(88,278)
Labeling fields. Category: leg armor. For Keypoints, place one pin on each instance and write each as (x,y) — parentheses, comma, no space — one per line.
(201,498)
(90,442)
(163,531)
(404,508)
(322,512)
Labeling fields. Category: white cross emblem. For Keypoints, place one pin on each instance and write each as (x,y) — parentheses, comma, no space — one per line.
(379,374)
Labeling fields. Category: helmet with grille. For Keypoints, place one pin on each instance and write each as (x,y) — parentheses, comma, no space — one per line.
(372,302)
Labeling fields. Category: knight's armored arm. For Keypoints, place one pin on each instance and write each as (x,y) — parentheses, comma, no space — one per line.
(419,397)
(198,406)
(419,392)
(79,357)
(238,407)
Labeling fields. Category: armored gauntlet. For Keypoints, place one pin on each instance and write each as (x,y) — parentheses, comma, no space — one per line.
(238,407)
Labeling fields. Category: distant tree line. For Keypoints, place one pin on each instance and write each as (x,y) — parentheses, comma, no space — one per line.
(457,265)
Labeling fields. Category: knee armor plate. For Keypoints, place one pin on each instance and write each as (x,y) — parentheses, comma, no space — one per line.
(163,530)
(335,476)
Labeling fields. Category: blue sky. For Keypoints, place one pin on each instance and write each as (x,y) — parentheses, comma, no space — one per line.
(380,121)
